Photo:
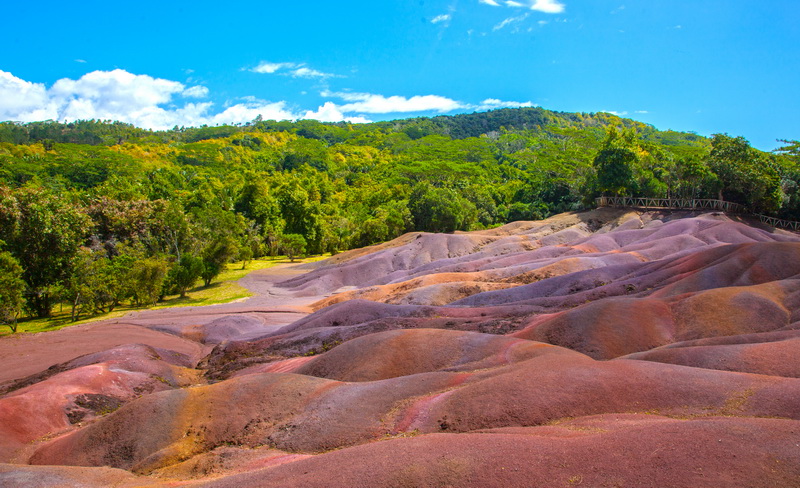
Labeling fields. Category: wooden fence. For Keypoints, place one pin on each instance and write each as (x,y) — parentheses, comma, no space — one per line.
(693,204)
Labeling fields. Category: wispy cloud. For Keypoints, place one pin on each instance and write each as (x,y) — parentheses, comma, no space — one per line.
(269,68)
(546,6)
(494,103)
(195,92)
(614,112)
(509,21)
(441,18)
(80,61)
(295,70)
(305,72)
(371,103)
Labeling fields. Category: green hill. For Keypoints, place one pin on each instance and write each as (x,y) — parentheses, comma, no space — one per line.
(107,194)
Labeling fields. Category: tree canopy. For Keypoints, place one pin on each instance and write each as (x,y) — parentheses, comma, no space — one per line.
(98,205)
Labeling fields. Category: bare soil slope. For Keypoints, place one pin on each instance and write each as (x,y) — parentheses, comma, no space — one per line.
(605,348)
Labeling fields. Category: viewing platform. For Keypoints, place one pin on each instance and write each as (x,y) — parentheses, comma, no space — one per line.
(693,204)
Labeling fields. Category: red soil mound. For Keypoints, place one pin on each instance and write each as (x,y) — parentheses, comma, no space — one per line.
(614,327)
(15,476)
(84,389)
(536,391)
(26,354)
(484,348)
(776,357)
(397,353)
(641,451)
(301,413)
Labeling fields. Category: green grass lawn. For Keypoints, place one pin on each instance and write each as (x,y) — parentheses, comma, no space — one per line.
(222,290)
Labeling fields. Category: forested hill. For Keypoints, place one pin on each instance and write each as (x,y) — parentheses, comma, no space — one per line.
(86,196)
(460,126)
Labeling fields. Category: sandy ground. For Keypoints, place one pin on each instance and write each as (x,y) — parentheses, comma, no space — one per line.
(25,354)
(609,348)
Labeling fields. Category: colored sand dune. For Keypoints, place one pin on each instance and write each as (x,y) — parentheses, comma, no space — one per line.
(605,348)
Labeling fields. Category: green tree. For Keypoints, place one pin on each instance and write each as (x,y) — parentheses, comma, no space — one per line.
(147,281)
(615,163)
(43,232)
(82,285)
(306,151)
(746,175)
(694,175)
(216,256)
(184,274)
(11,290)
(440,209)
(293,245)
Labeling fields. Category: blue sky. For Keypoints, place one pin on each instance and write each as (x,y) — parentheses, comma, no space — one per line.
(705,65)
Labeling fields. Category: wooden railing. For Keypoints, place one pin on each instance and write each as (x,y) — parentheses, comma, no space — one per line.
(693,204)
(783,224)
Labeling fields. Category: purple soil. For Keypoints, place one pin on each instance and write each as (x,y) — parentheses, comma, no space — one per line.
(305,414)
(608,451)
(774,358)
(26,354)
(537,354)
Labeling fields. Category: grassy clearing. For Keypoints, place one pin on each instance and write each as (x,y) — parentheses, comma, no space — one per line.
(224,289)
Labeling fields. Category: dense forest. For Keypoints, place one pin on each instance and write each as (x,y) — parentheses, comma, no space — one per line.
(95,213)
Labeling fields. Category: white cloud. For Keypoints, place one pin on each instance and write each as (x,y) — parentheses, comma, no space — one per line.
(614,112)
(330,112)
(156,103)
(641,112)
(295,70)
(245,112)
(118,95)
(509,21)
(195,92)
(111,95)
(546,6)
(494,103)
(441,18)
(269,68)
(306,72)
(23,101)
(80,60)
(379,104)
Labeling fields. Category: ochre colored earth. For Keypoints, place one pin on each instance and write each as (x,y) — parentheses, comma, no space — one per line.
(610,348)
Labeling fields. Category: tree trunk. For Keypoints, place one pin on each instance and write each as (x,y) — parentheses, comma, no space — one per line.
(75,306)
(40,304)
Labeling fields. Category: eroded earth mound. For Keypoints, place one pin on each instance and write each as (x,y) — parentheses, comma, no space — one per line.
(604,348)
